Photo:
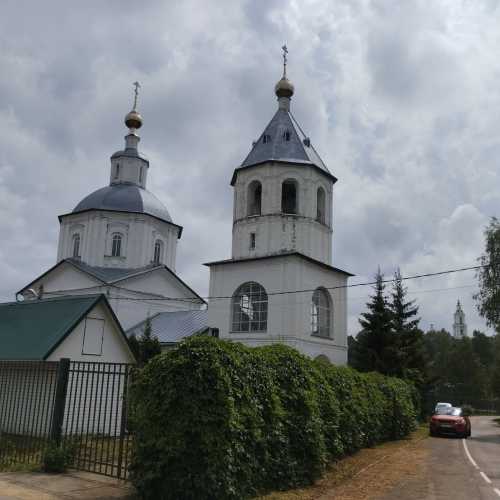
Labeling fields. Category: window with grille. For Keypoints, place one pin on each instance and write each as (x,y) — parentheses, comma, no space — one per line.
(116,245)
(249,308)
(320,313)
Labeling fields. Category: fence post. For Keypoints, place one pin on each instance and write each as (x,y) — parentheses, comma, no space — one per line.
(60,400)
(123,422)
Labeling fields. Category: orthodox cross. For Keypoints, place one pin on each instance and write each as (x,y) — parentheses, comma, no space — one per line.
(285,52)
(137,86)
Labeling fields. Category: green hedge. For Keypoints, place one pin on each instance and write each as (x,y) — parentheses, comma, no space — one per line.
(218,420)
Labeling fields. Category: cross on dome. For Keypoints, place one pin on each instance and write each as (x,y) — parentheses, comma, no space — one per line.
(133,120)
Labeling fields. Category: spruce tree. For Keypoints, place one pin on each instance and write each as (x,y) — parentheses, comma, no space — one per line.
(410,350)
(149,345)
(374,348)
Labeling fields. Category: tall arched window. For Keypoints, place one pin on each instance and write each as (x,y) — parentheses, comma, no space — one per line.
(320,205)
(249,308)
(320,313)
(254,199)
(116,245)
(76,246)
(289,197)
(158,251)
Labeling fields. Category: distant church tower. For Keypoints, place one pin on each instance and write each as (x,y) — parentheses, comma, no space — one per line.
(279,285)
(459,325)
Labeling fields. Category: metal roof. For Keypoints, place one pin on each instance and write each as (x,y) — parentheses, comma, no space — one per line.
(278,256)
(275,145)
(33,329)
(111,274)
(124,198)
(172,327)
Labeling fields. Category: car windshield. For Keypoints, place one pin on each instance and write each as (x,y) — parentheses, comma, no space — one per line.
(455,412)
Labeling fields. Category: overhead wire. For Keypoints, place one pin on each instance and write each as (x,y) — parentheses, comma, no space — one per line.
(272,293)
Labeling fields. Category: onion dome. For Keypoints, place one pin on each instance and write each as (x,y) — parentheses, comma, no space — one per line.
(284,88)
(133,120)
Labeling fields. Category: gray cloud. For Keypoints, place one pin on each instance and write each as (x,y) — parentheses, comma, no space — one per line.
(401,99)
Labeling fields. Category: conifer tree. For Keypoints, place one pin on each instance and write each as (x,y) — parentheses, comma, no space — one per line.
(374,348)
(148,343)
(410,350)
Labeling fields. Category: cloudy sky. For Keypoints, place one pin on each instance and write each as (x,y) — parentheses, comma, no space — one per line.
(401,99)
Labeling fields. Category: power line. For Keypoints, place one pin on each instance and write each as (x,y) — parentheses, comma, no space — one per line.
(281,292)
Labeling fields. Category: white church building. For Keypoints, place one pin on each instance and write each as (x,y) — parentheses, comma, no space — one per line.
(279,284)
(121,241)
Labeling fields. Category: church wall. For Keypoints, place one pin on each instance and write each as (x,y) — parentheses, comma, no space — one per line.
(139,234)
(289,315)
(274,231)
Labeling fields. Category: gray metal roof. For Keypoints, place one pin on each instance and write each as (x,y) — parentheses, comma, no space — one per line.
(124,198)
(111,274)
(172,327)
(272,145)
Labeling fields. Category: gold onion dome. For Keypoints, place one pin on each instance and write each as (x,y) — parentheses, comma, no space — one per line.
(284,88)
(133,119)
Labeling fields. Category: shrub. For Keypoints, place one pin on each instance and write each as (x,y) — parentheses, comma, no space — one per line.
(218,420)
(58,457)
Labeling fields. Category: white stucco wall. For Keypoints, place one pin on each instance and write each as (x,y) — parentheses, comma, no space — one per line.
(139,233)
(114,348)
(134,300)
(276,232)
(289,315)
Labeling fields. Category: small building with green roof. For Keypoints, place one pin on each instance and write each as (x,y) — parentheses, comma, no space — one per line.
(82,328)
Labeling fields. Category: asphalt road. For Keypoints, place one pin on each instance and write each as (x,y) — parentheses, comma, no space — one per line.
(457,469)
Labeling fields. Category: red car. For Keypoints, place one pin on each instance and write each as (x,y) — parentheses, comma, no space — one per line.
(450,421)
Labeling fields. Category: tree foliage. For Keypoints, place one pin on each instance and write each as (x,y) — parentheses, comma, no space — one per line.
(375,349)
(488,297)
(464,370)
(146,346)
(218,420)
(390,341)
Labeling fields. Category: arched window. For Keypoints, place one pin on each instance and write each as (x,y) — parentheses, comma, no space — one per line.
(249,308)
(254,199)
(140,174)
(320,205)
(157,255)
(286,135)
(266,138)
(289,197)
(116,245)
(320,313)
(76,246)
(117,171)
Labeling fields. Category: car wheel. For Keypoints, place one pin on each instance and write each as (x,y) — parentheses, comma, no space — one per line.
(432,433)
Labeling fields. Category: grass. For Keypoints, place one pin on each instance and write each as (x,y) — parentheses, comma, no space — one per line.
(343,479)
(94,453)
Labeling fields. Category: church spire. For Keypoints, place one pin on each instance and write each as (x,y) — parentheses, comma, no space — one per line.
(284,88)
(133,120)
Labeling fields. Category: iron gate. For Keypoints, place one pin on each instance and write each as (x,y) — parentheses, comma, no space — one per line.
(79,405)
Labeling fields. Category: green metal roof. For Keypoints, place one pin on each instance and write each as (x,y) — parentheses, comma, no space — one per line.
(33,329)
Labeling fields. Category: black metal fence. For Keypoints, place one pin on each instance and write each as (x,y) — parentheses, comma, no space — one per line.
(81,406)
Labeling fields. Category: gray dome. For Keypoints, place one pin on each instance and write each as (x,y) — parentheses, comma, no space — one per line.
(124,198)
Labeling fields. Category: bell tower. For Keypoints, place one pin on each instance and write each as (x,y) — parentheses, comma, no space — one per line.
(279,285)
(283,192)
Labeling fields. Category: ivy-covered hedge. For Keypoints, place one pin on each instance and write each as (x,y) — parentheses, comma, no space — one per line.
(218,420)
